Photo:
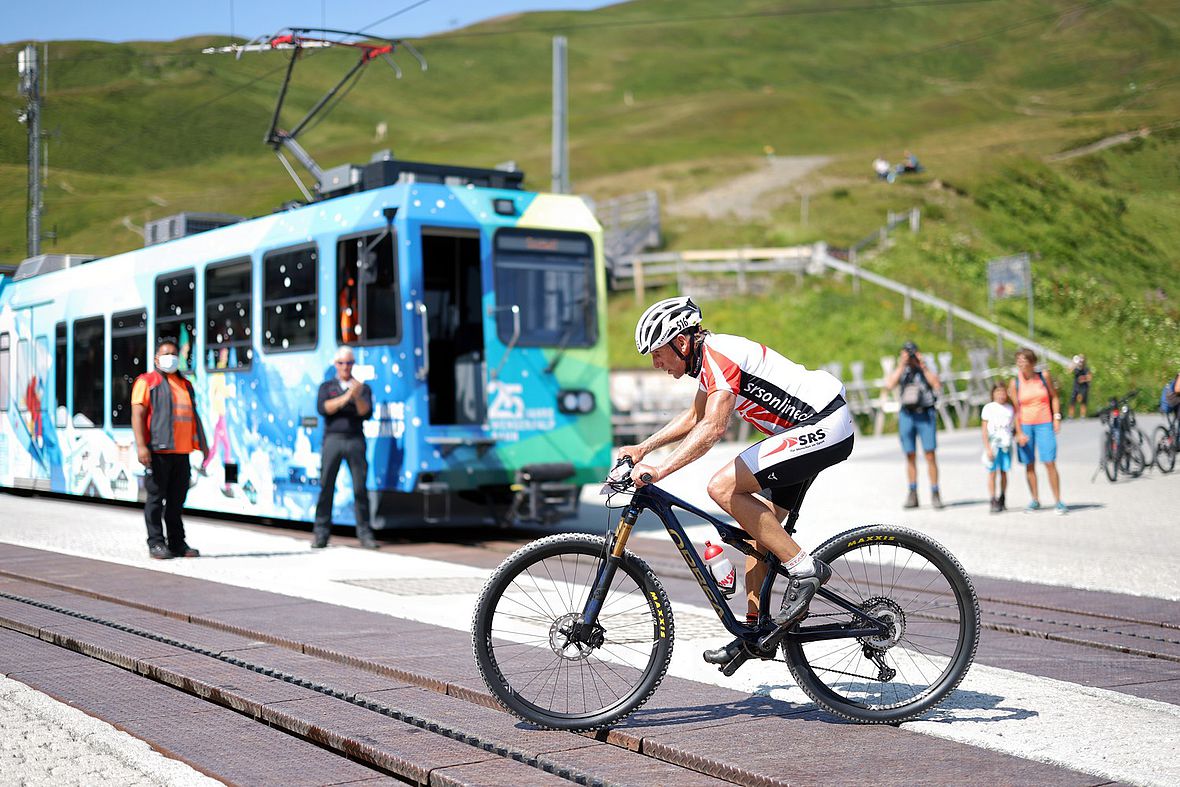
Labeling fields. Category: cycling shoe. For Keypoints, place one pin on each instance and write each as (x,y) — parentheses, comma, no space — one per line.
(800,591)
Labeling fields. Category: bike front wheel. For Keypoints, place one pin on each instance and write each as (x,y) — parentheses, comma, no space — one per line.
(521,635)
(910,582)
(1110,456)
(1165,449)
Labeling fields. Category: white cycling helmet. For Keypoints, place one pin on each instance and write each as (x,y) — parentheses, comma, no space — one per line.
(663,321)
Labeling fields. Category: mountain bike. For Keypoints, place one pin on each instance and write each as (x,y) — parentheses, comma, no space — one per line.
(575,631)
(1125,449)
(1166,440)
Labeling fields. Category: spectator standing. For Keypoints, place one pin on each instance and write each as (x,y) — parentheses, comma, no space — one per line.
(167,429)
(1081,385)
(344,402)
(997,416)
(1038,420)
(916,419)
(1172,398)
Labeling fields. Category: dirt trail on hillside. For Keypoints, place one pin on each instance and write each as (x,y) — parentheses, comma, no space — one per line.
(743,196)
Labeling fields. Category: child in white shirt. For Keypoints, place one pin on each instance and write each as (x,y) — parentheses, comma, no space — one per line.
(998,417)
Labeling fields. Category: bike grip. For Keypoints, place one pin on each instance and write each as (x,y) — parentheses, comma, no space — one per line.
(645,478)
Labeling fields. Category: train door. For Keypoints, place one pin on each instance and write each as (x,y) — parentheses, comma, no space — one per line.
(452,294)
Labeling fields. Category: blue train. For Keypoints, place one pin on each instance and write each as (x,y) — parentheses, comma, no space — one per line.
(475,309)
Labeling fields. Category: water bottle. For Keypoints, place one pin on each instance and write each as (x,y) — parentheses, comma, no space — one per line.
(722,570)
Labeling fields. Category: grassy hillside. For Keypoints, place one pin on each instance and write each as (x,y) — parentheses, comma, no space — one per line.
(675,95)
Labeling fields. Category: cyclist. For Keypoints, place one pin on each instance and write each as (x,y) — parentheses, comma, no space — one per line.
(802,412)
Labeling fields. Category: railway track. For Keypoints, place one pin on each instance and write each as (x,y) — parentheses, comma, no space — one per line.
(398,697)
(471,721)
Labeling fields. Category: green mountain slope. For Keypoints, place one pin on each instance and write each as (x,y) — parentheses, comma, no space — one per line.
(673,95)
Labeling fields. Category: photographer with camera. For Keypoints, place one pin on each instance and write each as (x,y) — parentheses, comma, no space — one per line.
(916,418)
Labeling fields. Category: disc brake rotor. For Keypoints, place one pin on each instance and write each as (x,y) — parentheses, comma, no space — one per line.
(566,644)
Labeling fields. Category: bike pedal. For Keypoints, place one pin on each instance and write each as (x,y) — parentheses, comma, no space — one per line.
(728,669)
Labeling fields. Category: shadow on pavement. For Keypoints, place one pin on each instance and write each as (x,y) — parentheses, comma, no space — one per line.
(962,706)
(961,503)
(1084,506)
(952,709)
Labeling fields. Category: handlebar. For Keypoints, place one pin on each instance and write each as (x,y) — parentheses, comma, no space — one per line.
(624,483)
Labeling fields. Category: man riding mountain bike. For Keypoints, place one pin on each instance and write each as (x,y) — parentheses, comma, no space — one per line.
(804,414)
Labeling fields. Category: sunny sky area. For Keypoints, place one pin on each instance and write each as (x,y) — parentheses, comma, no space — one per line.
(139,20)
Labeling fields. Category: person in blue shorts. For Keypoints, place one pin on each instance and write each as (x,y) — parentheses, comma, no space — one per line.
(1038,420)
(917,420)
(997,417)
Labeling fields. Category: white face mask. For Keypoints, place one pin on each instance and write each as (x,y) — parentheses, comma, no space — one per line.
(167,363)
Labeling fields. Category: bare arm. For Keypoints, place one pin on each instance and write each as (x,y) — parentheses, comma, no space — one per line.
(932,377)
(703,436)
(139,427)
(1054,402)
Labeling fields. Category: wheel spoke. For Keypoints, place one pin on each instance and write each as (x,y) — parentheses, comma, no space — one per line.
(931,614)
(529,656)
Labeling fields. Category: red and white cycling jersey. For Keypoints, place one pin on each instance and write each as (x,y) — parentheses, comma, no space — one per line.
(773,392)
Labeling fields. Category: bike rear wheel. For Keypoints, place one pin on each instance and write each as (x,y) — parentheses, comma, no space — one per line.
(1138,452)
(919,589)
(521,635)
(1165,449)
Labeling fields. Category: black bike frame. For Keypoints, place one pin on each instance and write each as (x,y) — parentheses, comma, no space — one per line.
(661,503)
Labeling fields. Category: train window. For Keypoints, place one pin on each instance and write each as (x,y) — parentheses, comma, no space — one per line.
(550,276)
(5,371)
(89,371)
(289,299)
(228,317)
(176,312)
(24,364)
(129,355)
(367,301)
(60,365)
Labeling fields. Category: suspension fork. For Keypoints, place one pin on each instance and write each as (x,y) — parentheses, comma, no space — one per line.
(610,564)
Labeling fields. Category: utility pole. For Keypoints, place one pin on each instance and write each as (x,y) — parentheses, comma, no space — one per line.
(561,175)
(30,88)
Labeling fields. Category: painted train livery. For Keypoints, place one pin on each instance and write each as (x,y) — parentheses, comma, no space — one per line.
(475,310)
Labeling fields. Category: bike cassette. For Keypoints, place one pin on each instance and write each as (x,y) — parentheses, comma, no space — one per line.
(888,612)
(567,642)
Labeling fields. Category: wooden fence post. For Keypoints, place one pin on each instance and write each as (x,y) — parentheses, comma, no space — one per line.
(637,274)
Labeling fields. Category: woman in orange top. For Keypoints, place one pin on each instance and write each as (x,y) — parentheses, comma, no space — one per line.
(1038,419)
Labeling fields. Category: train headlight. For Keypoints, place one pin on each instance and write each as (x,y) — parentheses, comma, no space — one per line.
(575,402)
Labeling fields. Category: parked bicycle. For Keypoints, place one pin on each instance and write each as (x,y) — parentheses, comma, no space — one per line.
(1125,448)
(1165,441)
(575,631)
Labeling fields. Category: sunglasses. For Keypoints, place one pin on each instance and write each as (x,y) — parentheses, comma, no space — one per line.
(345,363)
